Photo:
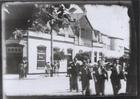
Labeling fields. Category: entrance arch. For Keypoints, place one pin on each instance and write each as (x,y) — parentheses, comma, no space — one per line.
(14,54)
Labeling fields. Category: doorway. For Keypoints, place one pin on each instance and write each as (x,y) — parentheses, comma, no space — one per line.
(14,54)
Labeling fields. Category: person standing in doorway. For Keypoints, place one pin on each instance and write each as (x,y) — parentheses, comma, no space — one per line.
(23,68)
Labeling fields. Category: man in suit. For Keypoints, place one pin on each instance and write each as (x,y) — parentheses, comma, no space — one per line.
(73,73)
(100,76)
(116,76)
(85,77)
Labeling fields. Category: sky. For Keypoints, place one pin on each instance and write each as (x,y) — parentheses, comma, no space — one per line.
(111,20)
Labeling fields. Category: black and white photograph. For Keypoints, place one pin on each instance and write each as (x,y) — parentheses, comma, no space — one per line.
(65,49)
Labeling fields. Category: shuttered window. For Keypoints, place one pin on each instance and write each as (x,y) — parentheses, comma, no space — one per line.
(41,56)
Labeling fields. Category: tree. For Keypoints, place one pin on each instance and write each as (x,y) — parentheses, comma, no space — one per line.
(49,17)
(59,55)
(84,56)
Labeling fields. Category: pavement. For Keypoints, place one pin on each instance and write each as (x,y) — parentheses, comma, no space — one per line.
(39,85)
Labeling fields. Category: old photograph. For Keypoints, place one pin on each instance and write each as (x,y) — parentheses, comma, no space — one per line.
(65,49)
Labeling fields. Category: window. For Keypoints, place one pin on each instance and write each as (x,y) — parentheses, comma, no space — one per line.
(14,49)
(95,56)
(69,51)
(100,38)
(41,56)
(112,44)
(100,55)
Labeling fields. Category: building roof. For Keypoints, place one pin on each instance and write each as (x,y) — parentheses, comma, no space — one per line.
(98,32)
(78,16)
(115,37)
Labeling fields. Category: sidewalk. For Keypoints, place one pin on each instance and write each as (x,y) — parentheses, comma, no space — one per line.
(39,85)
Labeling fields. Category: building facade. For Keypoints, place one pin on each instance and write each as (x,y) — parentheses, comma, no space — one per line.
(78,37)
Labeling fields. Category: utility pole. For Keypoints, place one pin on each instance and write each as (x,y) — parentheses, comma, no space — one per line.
(28,51)
(51,48)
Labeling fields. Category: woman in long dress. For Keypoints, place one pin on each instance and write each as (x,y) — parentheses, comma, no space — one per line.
(108,85)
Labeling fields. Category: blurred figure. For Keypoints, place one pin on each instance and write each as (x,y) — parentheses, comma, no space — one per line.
(23,68)
(126,66)
(85,77)
(100,77)
(68,68)
(116,76)
(57,68)
(125,69)
(108,85)
(51,70)
(73,77)
(47,68)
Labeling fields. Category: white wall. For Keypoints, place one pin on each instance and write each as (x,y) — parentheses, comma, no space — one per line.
(66,43)
(32,48)
(114,54)
(118,51)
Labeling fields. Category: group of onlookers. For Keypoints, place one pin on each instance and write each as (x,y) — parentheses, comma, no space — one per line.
(78,70)
(52,69)
(84,72)
(49,69)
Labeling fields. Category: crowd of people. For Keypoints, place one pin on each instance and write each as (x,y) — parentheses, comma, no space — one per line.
(113,70)
(52,69)
(49,69)
(83,71)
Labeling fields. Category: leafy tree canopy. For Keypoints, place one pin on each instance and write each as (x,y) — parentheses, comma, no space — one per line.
(59,55)
(83,56)
(50,16)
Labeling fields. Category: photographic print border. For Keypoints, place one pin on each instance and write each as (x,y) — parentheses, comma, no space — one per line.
(134,41)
